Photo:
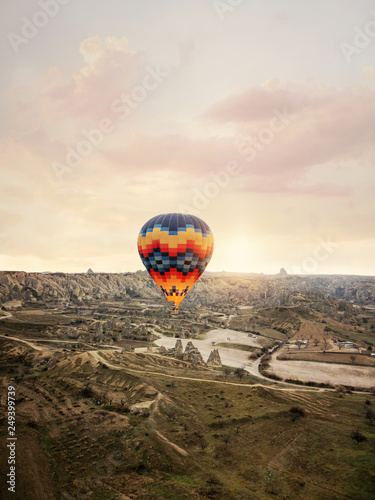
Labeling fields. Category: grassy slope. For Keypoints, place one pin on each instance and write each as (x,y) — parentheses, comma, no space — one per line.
(240,441)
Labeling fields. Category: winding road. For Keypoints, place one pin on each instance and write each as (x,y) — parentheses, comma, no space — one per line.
(333,374)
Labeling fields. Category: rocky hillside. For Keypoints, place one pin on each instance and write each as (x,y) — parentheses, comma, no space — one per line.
(278,290)
(75,288)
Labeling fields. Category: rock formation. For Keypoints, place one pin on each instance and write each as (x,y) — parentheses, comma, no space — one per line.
(179,349)
(213,291)
(214,358)
(193,355)
(73,288)
(13,305)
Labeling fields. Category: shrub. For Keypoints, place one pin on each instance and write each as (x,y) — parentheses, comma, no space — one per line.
(272,375)
(87,392)
(297,412)
(341,390)
(358,436)
(122,409)
(370,415)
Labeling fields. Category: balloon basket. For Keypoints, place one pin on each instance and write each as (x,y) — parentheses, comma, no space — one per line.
(174,310)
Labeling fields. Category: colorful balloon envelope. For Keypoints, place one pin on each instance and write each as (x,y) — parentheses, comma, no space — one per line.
(175,249)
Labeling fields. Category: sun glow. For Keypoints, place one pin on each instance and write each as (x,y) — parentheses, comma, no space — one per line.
(238,256)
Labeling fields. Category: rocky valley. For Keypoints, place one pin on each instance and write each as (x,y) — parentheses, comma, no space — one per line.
(255,390)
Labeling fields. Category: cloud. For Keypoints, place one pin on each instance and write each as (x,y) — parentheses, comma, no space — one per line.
(258,103)
(64,104)
(329,125)
(176,153)
(325,125)
(140,169)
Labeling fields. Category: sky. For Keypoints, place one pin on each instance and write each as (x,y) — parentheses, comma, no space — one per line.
(256,115)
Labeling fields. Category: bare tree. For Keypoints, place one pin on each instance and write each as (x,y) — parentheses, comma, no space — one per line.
(352,357)
(316,342)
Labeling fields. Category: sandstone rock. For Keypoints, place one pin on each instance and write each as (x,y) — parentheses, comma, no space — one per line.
(217,291)
(13,305)
(196,359)
(98,328)
(179,349)
(192,355)
(214,358)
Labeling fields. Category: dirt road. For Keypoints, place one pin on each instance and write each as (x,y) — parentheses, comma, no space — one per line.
(6,315)
(27,342)
(280,386)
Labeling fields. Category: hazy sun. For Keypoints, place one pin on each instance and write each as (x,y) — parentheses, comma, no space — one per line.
(238,255)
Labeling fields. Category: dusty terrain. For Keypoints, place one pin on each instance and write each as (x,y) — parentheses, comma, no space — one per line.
(329,373)
(96,422)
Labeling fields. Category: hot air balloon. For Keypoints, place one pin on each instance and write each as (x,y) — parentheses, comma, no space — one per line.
(175,249)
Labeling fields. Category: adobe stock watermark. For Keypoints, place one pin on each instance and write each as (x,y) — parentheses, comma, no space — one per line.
(224,7)
(323,251)
(251,146)
(122,107)
(218,182)
(31,27)
(362,39)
